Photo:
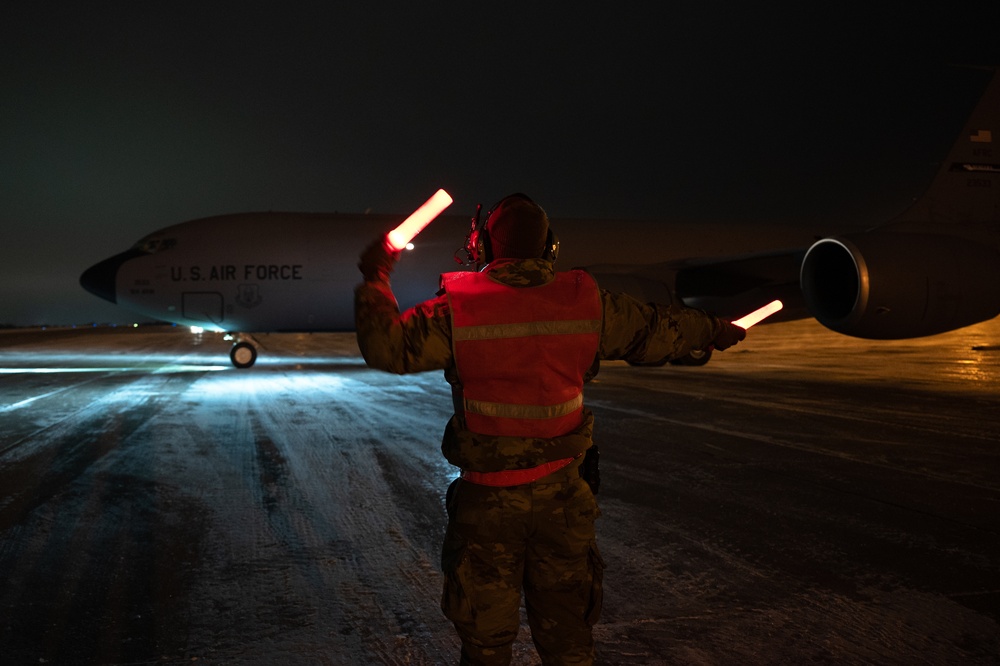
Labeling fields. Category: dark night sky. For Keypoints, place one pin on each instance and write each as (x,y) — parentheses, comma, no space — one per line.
(120,118)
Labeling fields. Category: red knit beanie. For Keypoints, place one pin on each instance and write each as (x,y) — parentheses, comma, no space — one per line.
(517,229)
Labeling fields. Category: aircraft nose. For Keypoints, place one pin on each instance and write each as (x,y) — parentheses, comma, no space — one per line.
(100,278)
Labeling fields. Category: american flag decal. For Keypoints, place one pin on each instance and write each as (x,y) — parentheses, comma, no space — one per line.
(982,136)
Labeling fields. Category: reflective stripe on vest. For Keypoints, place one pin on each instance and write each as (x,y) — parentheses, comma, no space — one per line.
(521,352)
(515,477)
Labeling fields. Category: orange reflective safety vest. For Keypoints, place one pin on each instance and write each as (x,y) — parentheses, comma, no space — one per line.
(521,352)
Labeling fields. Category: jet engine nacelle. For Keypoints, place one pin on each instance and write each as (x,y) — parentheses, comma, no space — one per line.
(894,285)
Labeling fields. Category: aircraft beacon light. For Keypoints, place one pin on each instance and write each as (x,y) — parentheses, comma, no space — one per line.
(759,315)
(415,223)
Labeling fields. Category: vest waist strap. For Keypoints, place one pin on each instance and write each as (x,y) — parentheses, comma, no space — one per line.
(515,477)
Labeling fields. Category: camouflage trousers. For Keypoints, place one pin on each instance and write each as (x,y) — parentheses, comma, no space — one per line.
(539,538)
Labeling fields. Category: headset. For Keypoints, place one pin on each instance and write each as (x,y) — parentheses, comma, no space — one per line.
(478,249)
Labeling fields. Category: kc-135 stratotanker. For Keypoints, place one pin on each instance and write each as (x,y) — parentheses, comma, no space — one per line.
(933,268)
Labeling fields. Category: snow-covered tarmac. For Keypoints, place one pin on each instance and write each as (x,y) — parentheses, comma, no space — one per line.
(804,498)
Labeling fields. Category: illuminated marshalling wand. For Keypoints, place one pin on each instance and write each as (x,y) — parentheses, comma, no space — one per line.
(758,315)
(421,217)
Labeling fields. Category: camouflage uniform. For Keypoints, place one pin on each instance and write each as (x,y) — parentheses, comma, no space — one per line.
(539,536)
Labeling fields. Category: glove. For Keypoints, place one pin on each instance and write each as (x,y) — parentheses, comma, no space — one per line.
(728,335)
(378,260)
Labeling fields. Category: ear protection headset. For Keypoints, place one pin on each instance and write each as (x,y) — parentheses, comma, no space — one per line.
(478,249)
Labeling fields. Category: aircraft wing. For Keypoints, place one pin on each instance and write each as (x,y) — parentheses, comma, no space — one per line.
(727,286)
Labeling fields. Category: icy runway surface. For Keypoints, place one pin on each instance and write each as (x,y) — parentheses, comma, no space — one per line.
(804,498)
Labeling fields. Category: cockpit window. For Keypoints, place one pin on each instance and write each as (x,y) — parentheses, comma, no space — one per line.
(154,245)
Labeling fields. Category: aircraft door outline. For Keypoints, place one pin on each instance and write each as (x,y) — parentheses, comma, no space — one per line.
(206,306)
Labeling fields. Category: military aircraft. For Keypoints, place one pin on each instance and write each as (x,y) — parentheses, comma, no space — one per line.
(933,268)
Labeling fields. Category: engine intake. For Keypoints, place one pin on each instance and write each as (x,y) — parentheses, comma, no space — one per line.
(894,285)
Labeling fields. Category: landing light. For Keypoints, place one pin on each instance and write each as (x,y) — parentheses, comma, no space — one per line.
(197,330)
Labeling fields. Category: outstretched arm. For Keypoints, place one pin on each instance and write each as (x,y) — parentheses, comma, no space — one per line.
(645,333)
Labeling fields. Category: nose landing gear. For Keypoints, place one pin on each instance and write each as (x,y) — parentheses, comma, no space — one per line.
(244,352)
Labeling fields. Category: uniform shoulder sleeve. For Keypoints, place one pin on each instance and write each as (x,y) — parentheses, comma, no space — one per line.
(416,340)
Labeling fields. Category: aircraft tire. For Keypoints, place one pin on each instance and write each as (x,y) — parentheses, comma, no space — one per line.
(694,358)
(243,354)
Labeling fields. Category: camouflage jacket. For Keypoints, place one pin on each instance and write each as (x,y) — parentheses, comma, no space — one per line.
(419,340)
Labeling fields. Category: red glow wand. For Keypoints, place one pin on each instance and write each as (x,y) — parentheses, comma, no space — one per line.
(758,315)
(421,217)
